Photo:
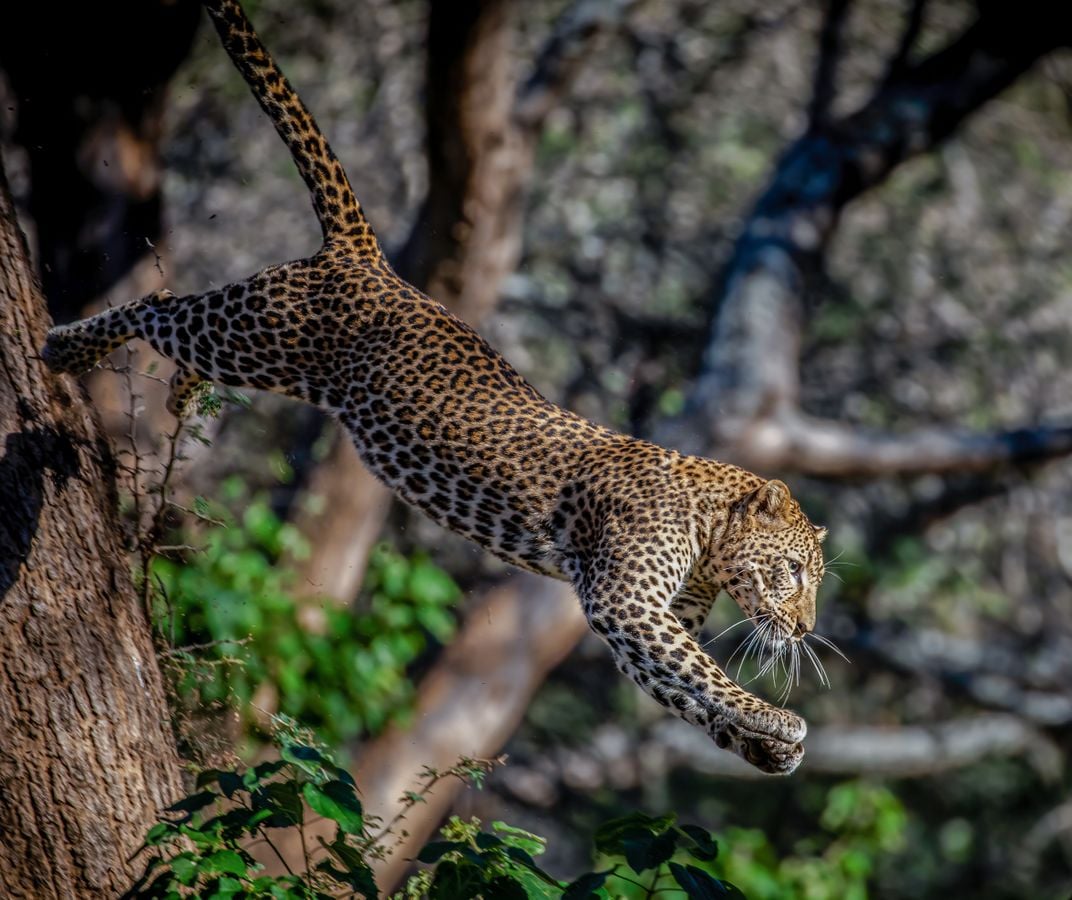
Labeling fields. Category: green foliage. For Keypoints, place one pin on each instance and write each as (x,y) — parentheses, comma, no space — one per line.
(199,848)
(642,856)
(232,602)
(861,823)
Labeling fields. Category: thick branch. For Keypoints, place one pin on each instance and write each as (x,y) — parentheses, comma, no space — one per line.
(87,757)
(913,26)
(751,363)
(825,448)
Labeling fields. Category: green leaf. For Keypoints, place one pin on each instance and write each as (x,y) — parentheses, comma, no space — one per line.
(227,862)
(585,886)
(644,850)
(185,867)
(359,878)
(504,887)
(699,885)
(486,841)
(435,850)
(454,881)
(608,838)
(230,783)
(193,803)
(283,800)
(157,834)
(706,848)
(257,774)
(338,802)
(518,837)
(519,855)
(308,759)
(347,855)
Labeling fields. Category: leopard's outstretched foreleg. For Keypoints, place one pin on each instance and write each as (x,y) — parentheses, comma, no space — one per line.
(667,663)
(692,612)
(634,600)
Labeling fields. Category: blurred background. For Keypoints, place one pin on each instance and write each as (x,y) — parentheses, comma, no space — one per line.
(827,242)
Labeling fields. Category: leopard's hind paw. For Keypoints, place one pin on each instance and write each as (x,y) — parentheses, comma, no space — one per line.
(68,350)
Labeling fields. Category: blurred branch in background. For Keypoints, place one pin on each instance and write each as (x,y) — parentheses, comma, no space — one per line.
(744,404)
(788,439)
(904,751)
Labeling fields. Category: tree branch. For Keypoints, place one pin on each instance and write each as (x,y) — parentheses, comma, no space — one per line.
(906,751)
(751,364)
(913,26)
(562,56)
(818,447)
(824,85)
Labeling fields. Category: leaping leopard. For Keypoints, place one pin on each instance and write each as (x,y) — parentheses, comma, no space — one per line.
(648,537)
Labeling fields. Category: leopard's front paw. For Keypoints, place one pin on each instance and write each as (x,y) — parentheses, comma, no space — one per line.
(789,727)
(765,736)
(772,757)
(767,754)
(766,721)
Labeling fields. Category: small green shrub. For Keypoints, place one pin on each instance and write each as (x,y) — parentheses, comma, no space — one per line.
(199,849)
(230,604)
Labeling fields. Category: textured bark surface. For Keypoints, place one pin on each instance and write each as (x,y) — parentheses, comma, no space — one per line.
(87,758)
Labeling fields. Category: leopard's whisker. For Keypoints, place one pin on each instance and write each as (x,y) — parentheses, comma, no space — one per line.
(752,619)
(757,641)
(829,643)
(817,664)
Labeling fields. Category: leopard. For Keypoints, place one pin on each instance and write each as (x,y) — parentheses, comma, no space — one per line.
(648,537)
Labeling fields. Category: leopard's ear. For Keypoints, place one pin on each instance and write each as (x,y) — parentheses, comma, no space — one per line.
(820,533)
(771,501)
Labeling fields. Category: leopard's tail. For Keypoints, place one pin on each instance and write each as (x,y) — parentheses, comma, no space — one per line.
(337,208)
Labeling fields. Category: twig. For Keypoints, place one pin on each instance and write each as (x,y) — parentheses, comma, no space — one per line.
(823,87)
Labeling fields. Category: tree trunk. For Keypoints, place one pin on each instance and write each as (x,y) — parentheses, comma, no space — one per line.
(88,758)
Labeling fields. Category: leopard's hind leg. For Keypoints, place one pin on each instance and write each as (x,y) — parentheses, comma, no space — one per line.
(77,347)
(183,386)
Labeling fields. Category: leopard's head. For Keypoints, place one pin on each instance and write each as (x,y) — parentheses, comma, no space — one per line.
(772,563)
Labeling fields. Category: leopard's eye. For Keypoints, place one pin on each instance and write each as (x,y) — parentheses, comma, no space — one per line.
(795,568)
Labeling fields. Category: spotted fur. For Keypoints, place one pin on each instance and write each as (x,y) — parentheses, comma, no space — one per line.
(648,537)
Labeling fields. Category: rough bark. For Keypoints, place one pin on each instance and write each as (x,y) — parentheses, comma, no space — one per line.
(88,757)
